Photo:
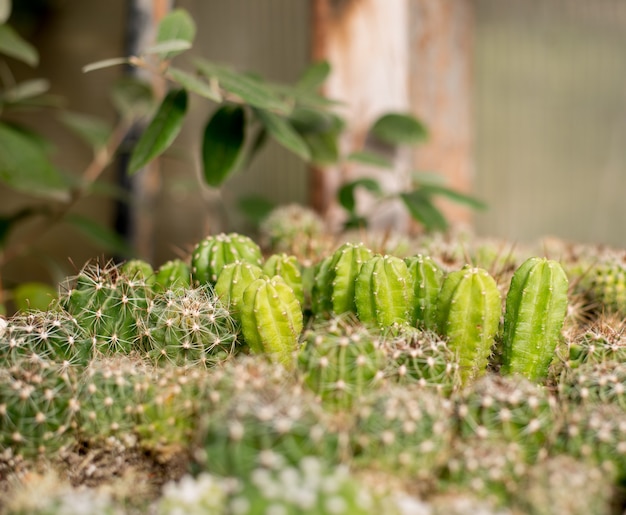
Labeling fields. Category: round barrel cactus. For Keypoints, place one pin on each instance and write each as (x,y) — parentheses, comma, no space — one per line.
(468,314)
(211,254)
(172,275)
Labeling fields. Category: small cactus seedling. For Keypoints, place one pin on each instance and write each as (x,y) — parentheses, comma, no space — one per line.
(271,319)
(190,327)
(427,278)
(384,292)
(288,268)
(172,275)
(509,408)
(403,428)
(232,282)
(468,314)
(536,306)
(37,406)
(212,253)
(341,361)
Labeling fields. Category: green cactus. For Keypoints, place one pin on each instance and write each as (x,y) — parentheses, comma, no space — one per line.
(321,301)
(384,292)
(604,283)
(211,254)
(292,228)
(603,340)
(595,383)
(340,361)
(37,407)
(288,268)
(427,278)
(189,327)
(536,305)
(172,275)
(138,270)
(468,314)
(271,319)
(232,282)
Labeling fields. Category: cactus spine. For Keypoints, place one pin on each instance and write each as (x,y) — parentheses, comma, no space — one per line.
(427,281)
(468,313)
(535,311)
(172,275)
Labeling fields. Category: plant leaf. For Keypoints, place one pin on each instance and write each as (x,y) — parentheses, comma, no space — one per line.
(26,90)
(422,209)
(132,97)
(255,207)
(459,198)
(105,63)
(250,90)
(167,49)
(5,10)
(93,131)
(13,45)
(306,120)
(346,192)
(282,131)
(177,25)
(323,146)
(422,178)
(25,166)
(399,129)
(314,76)
(33,296)
(370,159)
(100,235)
(223,140)
(161,131)
(194,84)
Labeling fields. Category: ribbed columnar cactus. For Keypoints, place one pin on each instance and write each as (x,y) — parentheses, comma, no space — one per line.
(54,335)
(511,409)
(172,275)
(288,268)
(211,254)
(384,292)
(37,406)
(189,327)
(336,279)
(232,282)
(420,357)
(108,305)
(536,305)
(341,360)
(403,428)
(271,319)
(468,314)
(427,278)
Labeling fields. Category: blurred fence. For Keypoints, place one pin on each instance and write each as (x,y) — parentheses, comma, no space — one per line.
(550,113)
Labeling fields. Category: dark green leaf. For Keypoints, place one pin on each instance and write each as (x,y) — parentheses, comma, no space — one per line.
(26,90)
(399,129)
(314,76)
(105,63)
(194,84)
(370,159)
(25,166)
(100,235)
(34,296)
(306,120)
(224,136)
(256,208)
(162,130)
(13,45)
(248,89)
(423,210)
(132,97)
(455,196)
(346,192)
(323,146)
(282,131)
(177,25)
(93,131)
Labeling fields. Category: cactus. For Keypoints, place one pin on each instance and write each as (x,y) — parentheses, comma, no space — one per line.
(232,282)
(190,327)
(205,494)
(604,283)
(427,279)
(292,228)
(604,340)
(403,428)
(271,319)
(468,314)
(172,275)
(340,361)
(138,270)
(511,409)
(535,311)
(37,407)
(384,292)
(595,383)
(211,254)
(321,301)
(288,268)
